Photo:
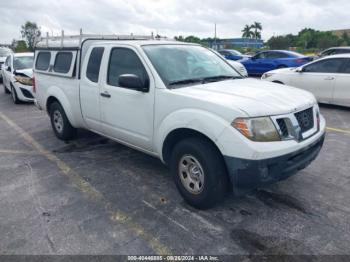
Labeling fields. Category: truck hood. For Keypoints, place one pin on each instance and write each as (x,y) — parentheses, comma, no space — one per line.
(2,59)
(26,72)
(254,97)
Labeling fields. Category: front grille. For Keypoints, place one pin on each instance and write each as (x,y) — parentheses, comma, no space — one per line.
(305,119)
(283,127)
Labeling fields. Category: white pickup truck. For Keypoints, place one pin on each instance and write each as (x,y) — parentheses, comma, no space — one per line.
(183,104)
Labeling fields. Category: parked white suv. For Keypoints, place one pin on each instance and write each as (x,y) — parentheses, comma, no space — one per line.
(183,104)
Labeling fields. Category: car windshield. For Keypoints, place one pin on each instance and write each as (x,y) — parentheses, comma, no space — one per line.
(4,52)
(182,65)
(23,62)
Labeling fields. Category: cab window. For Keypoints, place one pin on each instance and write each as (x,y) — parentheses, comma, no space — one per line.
(125,61)
(43,61)
(63,62)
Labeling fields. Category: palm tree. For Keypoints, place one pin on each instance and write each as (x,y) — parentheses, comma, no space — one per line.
(257,29)
(247,32)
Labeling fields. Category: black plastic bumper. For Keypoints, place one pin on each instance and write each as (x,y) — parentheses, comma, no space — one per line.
(250,174)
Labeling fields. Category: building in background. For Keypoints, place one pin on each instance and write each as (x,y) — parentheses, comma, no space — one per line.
(341,32)
(218,44)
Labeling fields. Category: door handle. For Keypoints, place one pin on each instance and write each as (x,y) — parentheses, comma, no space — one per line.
(329,78)
(105,94)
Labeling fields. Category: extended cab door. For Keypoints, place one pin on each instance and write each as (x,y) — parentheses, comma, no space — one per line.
(90,87)
(127,114)
(342,86)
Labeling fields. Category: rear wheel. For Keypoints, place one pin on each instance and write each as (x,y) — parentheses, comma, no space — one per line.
(199,172)
(14,95)
(60,123)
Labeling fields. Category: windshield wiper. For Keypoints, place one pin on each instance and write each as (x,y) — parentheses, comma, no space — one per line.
(219,78)
(203,80)
(186,81)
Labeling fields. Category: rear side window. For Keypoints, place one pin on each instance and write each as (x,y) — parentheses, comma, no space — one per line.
(63,62)
(43,61)
(124,61)
(94,64)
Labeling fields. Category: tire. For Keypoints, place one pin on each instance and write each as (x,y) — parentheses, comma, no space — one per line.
(14,96)
(60,123)
(5,89)
(202,165)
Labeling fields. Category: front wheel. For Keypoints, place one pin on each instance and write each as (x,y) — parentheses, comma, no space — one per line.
(199,172)
(60,123)
(14,95)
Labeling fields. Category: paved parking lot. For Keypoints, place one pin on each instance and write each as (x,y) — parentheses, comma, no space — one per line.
(95,196)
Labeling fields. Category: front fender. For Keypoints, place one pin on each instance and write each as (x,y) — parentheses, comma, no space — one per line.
(57,93)
(201,121)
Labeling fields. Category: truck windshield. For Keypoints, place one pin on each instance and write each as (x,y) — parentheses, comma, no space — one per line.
(23,62)
(184,65)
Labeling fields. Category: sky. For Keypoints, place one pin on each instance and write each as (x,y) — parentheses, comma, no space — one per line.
(172,17)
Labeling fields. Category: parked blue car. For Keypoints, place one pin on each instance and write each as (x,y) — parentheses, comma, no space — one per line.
(232,54)
(266,61)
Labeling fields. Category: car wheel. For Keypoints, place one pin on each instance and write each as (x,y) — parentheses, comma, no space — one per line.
(60,123)
(14,95)
(5,89)
(199,172)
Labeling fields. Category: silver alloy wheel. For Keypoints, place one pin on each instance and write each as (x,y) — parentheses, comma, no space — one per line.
(58,121)
(191,174)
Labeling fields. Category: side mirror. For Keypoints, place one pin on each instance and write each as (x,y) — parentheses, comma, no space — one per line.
(299,70)
(8,69)
(133,82)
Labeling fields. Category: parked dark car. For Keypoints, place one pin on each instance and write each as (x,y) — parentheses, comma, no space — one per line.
(334,51)
(266,61)
(232,54)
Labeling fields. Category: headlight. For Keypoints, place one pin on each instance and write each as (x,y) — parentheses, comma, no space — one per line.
(24,80)
(266,75)
(257,129)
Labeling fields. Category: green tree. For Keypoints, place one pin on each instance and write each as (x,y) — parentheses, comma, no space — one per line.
(279,42)
(247,32)
(193,39)
(179,38)
(30,32)
(21,46)
(327,39)
(257,30)
(345,39)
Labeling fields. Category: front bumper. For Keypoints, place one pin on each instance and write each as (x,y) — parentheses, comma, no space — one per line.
(250,174)
(24,92)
